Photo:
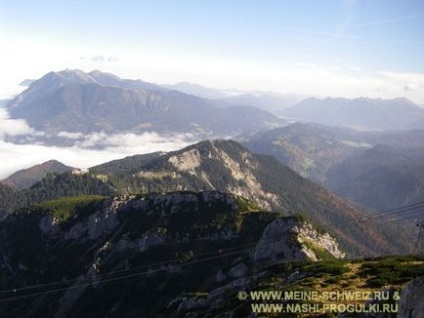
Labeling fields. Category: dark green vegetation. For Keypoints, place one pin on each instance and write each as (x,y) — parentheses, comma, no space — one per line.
(53,186)
(67,207)
(10,200)
(156,255)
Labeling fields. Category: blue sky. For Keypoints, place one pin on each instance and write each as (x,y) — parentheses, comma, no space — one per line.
(328,47)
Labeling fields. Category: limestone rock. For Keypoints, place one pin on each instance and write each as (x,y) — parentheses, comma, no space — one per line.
(411,303)
(285,240)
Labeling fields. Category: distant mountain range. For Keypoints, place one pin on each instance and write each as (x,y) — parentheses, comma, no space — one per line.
(74,101)
(78,102)
(272,102)
(379,170)
(84,103)
(362,113)
(309,149)
(382,177)
(197,90)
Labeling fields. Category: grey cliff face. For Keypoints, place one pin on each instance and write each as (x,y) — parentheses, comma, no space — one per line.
(287,240)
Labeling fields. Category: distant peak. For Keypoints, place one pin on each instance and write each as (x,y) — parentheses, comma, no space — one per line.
(27,82)
(52,161)
(98,73)
(70,70)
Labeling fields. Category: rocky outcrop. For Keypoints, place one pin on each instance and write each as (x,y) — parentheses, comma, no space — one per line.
(49,226)
(288,239)
(98,224)
(411,303)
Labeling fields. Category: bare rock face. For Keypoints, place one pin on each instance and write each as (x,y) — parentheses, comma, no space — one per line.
(287,240)
(96,225)
(411,303)
(49,225)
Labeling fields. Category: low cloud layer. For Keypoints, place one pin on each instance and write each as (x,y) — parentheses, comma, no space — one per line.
(14,157)
(87,150)
(13,127)
(125,142)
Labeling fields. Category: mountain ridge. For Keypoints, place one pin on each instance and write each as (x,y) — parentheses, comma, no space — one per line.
(227,166)
(357,113)
(74,101)
(378,170)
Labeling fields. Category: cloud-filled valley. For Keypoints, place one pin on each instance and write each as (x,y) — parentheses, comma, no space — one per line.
(83,151)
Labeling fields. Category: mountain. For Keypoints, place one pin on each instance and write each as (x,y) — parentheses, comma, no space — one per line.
(128,256)
(53,186)
(309,149)
(271,102)
(382,177)
(378,170)
(227,166)
(416,123)
(356,113)
(122,166)
(25,178)
(26,82)
(74,101)
(53,80)
(196,90)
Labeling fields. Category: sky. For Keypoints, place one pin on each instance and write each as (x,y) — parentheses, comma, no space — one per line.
(345,48)
(338,48)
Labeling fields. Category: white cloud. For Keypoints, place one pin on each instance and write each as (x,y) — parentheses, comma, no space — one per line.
(113,59)
(70,135)
(410,85)
(98,59)
(88,150)
(15,157)
(13,127)
(124,141)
